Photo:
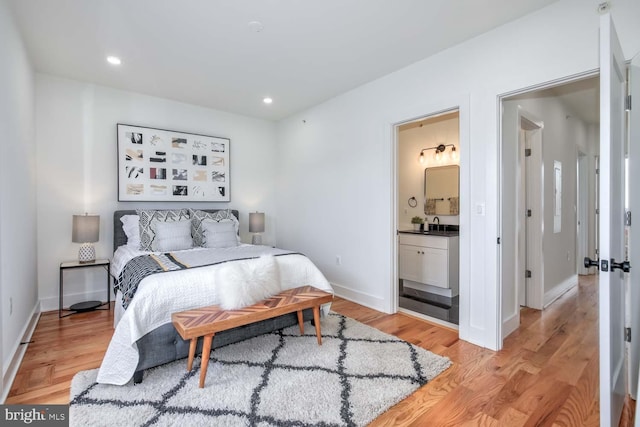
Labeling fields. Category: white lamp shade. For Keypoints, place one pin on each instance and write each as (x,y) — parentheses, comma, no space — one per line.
(256,222)
(86,228)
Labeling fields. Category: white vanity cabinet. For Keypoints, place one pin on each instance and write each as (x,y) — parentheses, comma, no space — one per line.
(430,260)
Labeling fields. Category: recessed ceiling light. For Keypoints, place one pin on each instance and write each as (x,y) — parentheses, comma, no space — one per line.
(114,60)
(267,100)
(256,26)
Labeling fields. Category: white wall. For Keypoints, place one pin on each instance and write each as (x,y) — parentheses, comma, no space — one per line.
(411,171)
(18,284)
(336,176)
(77,170)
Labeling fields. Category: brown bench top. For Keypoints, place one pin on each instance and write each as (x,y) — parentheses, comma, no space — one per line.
(209,320)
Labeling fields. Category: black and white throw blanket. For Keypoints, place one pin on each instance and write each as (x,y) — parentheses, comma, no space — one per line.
(145,265)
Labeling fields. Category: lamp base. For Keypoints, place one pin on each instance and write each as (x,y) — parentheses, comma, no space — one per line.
(87,253)
(256,239)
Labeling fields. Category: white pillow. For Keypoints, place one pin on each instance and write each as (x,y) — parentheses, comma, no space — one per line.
(246,282)
(172,236)
(131,228)
(219,234)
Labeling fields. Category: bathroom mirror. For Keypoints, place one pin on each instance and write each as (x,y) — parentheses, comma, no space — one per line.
(441,190)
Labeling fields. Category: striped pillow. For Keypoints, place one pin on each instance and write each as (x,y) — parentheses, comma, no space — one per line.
(172,236)
(220,234)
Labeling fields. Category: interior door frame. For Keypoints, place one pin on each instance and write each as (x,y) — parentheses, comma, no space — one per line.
(461,104)
(501,176)
(582,213)
(534,226)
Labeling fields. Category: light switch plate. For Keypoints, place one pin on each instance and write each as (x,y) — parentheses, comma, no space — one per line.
(480,209)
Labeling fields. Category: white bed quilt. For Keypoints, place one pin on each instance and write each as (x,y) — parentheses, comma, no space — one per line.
(161,294)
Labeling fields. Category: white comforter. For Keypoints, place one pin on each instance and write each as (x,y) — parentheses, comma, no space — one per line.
(159,295)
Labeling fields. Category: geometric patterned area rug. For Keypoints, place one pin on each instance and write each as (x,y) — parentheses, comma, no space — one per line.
(276,379)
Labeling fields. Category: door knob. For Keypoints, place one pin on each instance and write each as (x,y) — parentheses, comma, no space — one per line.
(624,265)
(588,262)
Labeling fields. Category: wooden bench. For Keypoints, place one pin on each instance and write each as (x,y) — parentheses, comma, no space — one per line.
(206,321)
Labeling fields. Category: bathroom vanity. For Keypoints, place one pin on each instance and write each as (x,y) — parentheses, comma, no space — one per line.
(429,261)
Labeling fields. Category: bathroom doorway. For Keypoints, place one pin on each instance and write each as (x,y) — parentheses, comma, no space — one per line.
(428,216)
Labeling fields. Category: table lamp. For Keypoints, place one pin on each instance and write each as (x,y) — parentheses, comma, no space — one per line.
(256,225)
(86,230)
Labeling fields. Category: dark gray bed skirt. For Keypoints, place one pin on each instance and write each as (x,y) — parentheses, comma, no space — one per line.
(164,344)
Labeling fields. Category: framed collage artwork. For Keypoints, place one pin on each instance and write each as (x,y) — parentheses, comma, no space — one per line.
(165,165)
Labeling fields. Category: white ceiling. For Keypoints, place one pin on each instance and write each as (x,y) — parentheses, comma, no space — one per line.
(203,51)
(582,98)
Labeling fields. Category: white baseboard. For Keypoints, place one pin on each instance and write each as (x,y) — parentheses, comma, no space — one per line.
(18,352)
(559,290)
(51,303)
(511,324)
(359,297)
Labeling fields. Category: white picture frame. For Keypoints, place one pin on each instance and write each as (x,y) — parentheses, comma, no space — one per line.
(165,165)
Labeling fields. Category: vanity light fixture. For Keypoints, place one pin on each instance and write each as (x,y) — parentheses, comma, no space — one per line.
(454,154)
(439,149)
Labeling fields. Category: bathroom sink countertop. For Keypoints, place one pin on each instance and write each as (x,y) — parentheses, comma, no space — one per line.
(447,233)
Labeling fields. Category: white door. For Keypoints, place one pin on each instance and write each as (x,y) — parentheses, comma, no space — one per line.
(634,237)
(611,281)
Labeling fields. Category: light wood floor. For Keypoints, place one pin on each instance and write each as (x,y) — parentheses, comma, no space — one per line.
(546,375)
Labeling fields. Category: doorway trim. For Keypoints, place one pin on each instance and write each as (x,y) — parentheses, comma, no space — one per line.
(460,103)
(501,176)
(533,228)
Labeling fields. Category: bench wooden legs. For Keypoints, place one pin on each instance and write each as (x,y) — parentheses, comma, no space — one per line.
(301,322)
(192,352)
(208,339)
(206,351)
(316,320)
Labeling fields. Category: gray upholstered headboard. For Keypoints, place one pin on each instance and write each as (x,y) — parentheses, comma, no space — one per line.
(119,238)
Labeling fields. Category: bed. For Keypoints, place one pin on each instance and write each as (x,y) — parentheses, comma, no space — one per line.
(144,336)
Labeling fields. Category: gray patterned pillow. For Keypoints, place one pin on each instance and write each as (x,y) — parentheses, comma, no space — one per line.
(197,216)
(148,219)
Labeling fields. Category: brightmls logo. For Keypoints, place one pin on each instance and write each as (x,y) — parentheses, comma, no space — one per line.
(25,416)
(39,415)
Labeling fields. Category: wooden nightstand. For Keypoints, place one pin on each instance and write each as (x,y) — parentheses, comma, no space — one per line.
(87,305)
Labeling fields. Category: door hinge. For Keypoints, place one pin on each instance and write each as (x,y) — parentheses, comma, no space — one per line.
(527,152)
(498,240)
(528,212)
(527,274)
(627,103)
(627,218)
(627,334)
(597,211)
(597,171)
